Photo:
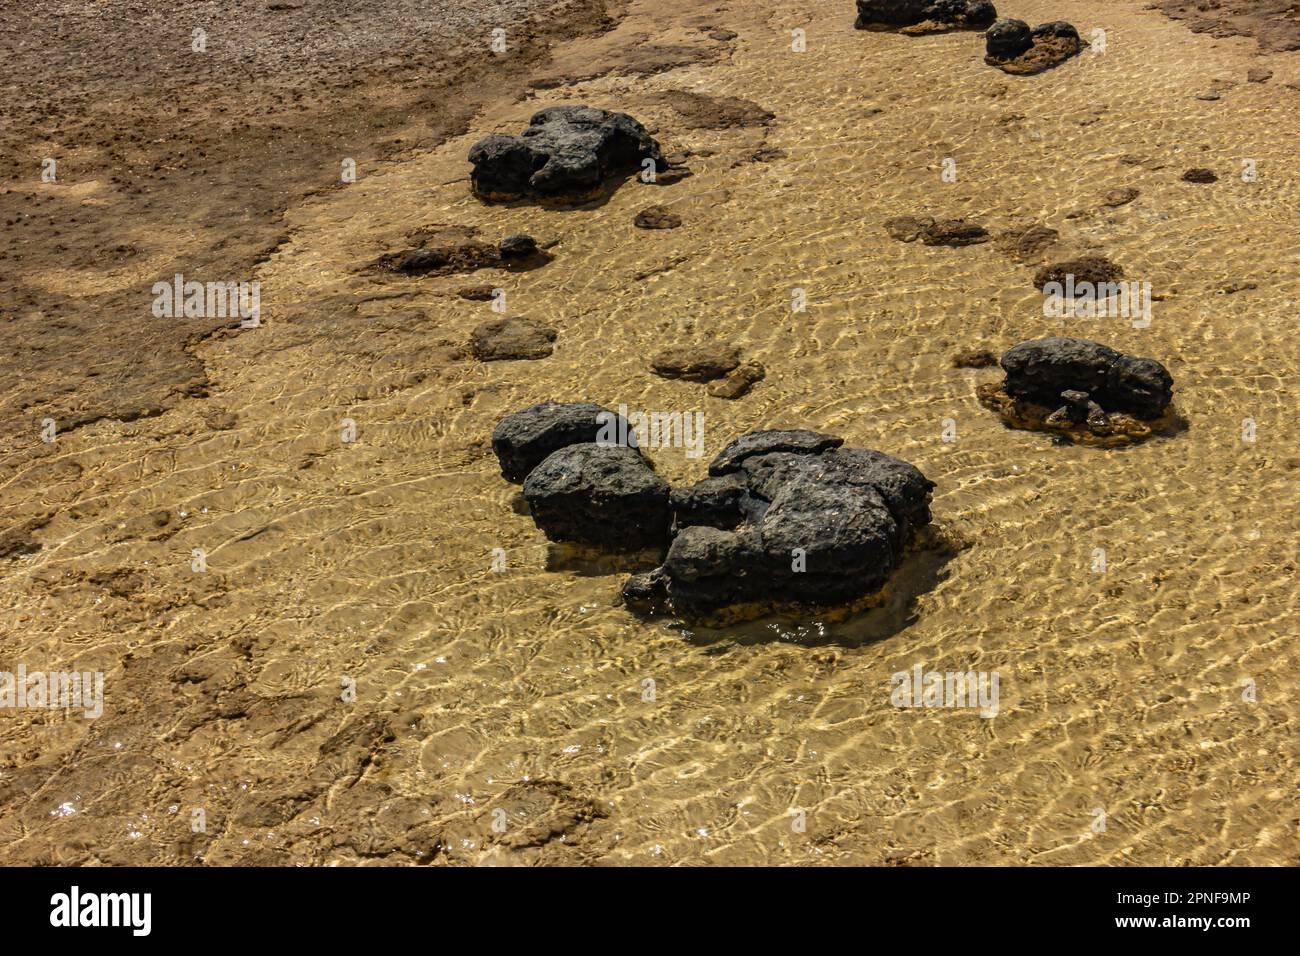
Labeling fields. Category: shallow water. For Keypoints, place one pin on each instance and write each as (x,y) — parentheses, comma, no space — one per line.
(1121,692)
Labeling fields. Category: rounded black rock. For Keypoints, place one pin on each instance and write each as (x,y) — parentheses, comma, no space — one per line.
(605,496)
(522,440)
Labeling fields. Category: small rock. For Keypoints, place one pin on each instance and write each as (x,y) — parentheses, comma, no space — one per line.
(1027,242)
(908,228)
(501,339)
(1013,48)
(1120,197)
(932,232)
(976,358)
(422,260)
(696,363)
(1200,175)
(1093,269)
(656,217)
(722,35)
(953,232)
(220,421)
(517,247)
(738,381)
(1259,74)
(476,293)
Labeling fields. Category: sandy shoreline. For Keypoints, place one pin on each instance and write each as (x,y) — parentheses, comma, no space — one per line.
(477,691)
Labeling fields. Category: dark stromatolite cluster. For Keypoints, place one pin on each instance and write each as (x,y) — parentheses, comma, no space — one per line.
(785,517)
(1081,389)
(925,16)
(1014,48)
(566,153)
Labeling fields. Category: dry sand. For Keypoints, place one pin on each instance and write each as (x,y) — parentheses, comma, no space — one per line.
(525,690)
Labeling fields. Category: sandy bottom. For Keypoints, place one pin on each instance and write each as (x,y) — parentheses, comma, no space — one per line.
(526,690)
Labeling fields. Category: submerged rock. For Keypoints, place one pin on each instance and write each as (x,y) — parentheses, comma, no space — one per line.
(954,232)
(924,16)
(1200,175)
(461,257)
(501,339)
(566,153)
(908,228)
(700,111)
(656,217)
(521,441)
(738,382)
(1096,270)
(936,232)
(1014,48)
(448,254)
(1120,197)
(477,293)
(605,496)
(785,518)
(696,363)
(974,358)
(1027,242)
(1086,390)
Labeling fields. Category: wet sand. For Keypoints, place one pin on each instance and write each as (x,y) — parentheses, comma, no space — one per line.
(525,690)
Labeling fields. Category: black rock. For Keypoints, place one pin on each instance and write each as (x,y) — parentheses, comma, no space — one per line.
(968,14)
(1057,28)
(798,440)
(517,246)
(1008,38)
(567,152)
(522,440)
(899,13)
(1042,370)
(787,517)
(606,496)
(905,490)
(717,502)
(1013,48)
